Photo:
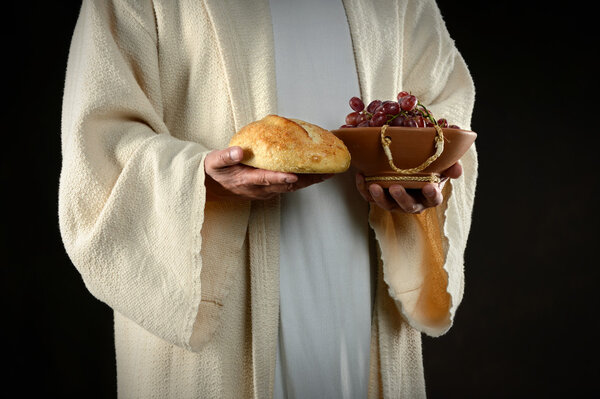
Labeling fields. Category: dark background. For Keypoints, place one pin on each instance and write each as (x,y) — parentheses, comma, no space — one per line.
(527,324)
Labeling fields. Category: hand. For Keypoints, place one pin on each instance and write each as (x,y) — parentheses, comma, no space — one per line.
(227,179)
(411,201)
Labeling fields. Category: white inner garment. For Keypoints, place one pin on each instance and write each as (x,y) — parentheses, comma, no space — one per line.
(325,267)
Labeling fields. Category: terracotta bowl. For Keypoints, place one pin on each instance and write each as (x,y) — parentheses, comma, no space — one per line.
(409,147)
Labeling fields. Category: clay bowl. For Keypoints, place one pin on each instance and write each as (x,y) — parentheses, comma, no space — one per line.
(410,147)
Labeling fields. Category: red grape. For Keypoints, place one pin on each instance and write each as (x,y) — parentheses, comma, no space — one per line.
(362,117)
(407,111)
(420,121)
(357,104)
(379,119)
(397,121)
(410,122)
(402,94)
(352,118)
(408,103)
(391,108)
(373,106)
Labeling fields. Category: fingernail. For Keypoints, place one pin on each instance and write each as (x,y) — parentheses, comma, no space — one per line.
(374,192)
(235,155)
(291,179)
(429,191)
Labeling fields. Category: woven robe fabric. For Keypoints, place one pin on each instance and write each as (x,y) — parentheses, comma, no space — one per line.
(427,288)
(151,88)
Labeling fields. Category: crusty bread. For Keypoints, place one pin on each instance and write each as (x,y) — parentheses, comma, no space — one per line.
(291,145)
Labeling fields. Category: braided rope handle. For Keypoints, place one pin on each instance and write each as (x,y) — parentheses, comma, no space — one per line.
(428,179)
(439,148)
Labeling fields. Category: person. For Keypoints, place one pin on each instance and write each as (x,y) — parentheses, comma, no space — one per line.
(182,241)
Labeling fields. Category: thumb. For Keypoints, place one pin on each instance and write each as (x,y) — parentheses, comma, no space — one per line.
(223,158)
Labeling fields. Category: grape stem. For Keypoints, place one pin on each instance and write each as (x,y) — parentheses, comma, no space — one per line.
(429,115)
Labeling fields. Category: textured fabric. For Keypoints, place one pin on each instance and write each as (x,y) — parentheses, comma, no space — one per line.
(325,270)
(428,64)
(151,88)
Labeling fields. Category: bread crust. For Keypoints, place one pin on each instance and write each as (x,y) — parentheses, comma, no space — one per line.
(291,145)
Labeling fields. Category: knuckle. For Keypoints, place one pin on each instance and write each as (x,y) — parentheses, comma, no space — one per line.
(259,179)
(219,158)
(264,180)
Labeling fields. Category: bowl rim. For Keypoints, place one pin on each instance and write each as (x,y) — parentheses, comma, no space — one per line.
(398,128)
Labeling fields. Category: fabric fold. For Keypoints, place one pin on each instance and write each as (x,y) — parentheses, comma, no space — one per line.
(131,195)
(423,269)
(413,257)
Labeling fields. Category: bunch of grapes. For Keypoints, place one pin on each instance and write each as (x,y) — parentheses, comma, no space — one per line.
(407,111)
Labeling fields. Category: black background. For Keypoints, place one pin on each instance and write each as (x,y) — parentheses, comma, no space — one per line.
(527,324)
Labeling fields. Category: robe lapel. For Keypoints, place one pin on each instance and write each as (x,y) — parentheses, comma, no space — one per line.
(376,39)
(244,34)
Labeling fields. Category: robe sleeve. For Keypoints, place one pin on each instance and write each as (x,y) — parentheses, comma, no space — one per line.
(423,254)
(131,196)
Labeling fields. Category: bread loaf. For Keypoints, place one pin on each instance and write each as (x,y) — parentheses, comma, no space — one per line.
(291,145)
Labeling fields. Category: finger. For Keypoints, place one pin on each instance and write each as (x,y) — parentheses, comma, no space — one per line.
(454,171)
(380,198)
(220,159)
(362,188)
(432,195)
(262,177)
(405,201)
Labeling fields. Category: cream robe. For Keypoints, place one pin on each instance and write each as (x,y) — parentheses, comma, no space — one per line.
(151,88)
